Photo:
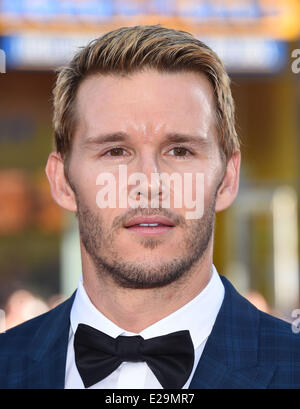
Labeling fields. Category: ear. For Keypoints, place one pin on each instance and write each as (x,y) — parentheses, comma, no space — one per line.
(61,190)
(229,187)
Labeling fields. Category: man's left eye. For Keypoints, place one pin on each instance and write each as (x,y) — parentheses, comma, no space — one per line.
(180,151)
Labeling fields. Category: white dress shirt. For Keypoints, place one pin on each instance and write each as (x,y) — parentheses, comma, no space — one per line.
(198,316)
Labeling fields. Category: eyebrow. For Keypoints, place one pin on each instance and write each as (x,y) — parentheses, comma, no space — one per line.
(184,138)
(109,137)
(173,137)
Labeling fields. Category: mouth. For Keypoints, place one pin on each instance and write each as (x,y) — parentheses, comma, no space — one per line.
(150,225)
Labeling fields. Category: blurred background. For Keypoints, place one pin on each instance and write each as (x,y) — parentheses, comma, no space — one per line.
(257,239)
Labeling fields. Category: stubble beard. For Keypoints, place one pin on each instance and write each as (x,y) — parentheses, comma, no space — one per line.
(99,245)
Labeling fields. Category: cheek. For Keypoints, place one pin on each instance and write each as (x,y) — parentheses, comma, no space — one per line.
(211,184)
(85,181)
(88,193)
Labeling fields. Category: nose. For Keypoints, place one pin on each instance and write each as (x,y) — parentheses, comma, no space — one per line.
(146,179)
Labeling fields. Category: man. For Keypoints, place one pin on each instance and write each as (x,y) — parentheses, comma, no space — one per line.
(143,104)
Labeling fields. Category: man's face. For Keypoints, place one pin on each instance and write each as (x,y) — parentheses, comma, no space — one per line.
(157,123)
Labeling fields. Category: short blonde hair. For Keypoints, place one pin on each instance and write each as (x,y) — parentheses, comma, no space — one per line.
(131,49)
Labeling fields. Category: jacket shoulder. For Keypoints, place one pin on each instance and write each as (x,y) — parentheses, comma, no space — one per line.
(274,334)
(18,338)
(280,345)
(257,339)
(278,340)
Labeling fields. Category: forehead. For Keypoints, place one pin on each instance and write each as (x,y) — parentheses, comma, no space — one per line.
(146,101)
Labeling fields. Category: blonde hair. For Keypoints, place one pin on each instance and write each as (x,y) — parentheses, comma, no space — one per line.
(130,49)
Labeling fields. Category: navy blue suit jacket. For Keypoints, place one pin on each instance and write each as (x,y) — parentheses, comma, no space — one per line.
(246,349)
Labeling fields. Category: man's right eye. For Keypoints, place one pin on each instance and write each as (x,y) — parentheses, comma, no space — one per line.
(115,152)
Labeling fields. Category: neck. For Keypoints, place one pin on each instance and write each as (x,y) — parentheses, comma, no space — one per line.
(136,309)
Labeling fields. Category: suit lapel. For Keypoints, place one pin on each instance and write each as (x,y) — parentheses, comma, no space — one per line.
(230,358)
(48,350)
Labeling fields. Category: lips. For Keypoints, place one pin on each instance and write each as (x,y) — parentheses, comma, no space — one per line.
(149,225)
(149,220)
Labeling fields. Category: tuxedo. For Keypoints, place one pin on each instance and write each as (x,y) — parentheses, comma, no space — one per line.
(245,349)
(138,375)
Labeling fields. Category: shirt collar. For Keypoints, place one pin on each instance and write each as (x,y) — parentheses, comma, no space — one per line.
(198,315)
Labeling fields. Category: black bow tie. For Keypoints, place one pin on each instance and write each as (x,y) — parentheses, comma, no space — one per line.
(170,357)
